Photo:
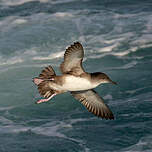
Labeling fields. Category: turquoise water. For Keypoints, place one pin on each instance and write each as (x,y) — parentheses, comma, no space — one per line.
(117,38)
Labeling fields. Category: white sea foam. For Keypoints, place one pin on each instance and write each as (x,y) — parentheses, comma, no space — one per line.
(120,16)
(10,61)
(19,21)
(5,121)
(51,128)
(121,53)
(109,51)
(10,127)
(115,40)
(6,108)
(60,1)
(50,57)
(44,1)
(108,96)
(14,2)
(47,129)
(129,65)
(135,90)
(38,65)
(112,41)
(19,57)
(8,23)
(74,121)
(132,49)
(32,54)
(108,48)
(63,14)
(144,144)
(20,2)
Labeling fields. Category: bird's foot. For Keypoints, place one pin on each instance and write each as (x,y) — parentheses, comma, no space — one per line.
(45,100)
(37,81)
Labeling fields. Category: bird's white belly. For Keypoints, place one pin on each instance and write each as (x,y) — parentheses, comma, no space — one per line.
(73,83)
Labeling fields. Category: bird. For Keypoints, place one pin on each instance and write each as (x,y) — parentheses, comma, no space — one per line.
(75,80)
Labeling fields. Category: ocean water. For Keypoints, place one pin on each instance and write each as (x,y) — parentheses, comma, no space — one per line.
(117,38)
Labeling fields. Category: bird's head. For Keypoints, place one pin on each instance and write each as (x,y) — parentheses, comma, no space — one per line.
(101,78)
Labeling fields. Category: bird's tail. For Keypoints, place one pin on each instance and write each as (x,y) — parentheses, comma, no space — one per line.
(47,74)
(45,90)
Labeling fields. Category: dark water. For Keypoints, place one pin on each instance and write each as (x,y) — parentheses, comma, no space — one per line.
(117,38)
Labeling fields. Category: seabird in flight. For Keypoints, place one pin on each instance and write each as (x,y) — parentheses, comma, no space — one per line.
(75,80)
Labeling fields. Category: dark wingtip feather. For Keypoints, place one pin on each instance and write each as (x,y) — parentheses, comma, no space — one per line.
(47,73)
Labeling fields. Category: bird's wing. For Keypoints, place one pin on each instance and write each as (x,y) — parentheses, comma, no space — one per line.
(94,103)
(73,60)
(47,73)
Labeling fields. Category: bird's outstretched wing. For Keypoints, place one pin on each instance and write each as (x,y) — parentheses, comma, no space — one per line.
(94,103)
(73,60)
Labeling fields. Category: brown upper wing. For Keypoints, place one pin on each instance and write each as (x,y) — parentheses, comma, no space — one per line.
(94,103)
(73,59)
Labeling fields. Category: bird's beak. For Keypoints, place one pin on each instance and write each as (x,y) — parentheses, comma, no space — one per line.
(113,82)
